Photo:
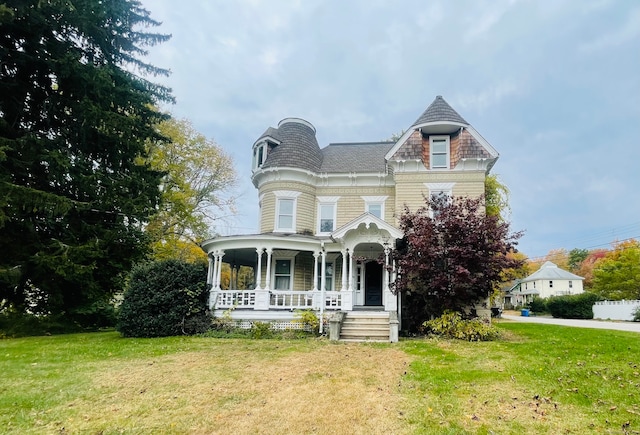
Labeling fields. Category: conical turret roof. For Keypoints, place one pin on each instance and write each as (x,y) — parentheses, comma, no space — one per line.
(439,111)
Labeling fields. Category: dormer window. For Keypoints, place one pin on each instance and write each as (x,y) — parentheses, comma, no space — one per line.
(259,154)
(440,150)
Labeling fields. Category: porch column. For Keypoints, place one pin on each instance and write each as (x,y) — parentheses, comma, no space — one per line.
(212,292)
(323,286)
(315,271)
(262,295)
(220,255)
(344,270)
(350,271)
(259,273)
(214,275)
(390,300)
(386,269)
(210,272)
(268,278)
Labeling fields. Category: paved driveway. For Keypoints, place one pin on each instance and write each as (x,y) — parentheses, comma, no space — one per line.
(597,324)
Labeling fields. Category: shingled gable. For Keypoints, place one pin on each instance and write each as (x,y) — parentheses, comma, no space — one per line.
(441,118)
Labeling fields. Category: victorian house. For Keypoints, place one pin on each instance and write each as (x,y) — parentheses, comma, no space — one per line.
(328,219)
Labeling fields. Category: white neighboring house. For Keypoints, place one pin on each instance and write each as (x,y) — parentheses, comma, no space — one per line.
(548,281)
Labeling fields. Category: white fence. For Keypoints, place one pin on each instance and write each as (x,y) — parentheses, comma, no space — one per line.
(615,310)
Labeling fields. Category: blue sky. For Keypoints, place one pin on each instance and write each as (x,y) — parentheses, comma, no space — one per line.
(554,86)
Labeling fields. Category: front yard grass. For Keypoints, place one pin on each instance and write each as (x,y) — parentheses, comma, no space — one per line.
(538,379)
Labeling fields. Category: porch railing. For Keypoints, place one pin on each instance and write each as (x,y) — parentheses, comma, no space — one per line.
(235,298)
(290,299)
(276,299)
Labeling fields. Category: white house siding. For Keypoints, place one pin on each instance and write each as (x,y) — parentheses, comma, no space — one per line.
(560,287)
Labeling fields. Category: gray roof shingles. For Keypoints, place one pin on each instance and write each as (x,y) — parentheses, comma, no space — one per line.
(298,147)
(355,157)
(439,111)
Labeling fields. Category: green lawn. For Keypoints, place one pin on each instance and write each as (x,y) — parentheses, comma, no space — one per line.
(538,379)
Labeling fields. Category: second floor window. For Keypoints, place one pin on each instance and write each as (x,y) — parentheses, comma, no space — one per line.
(327,223)
(327,211)
(286,203)
(285,214)
(375,205)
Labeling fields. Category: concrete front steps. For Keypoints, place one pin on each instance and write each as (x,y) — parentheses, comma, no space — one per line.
(371,326)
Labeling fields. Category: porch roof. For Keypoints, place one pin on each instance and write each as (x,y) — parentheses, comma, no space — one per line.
(367,219)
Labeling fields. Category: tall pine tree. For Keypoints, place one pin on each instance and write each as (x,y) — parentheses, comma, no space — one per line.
(76,110)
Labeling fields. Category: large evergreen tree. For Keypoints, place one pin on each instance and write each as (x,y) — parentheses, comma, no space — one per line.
(76,110)
(452,257)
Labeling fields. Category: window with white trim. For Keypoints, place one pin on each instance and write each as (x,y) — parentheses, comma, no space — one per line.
(327,212)
(374,205)
(328,276)
(259,155)
(439,147)
(286,203)
(283,274)
(437,189)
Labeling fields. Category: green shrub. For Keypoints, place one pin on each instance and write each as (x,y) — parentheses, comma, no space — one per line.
(636,315)
(261,330)
(572,306)
(452,325)
(165,298)
(14,324)
(308,319)
(537,305)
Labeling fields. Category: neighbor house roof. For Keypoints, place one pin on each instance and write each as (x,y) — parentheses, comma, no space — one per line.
(439,111)
(549,271)
(355,157)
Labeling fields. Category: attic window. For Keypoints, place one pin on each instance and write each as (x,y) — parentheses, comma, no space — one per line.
(259,154)
(439,146)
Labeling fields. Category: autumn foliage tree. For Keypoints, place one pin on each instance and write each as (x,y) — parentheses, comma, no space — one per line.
(452,257)
(617,275)
(197,191)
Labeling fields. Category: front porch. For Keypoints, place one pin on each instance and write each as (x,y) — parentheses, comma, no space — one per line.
(343,272)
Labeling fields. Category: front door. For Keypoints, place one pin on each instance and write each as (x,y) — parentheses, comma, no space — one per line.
(373,283)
